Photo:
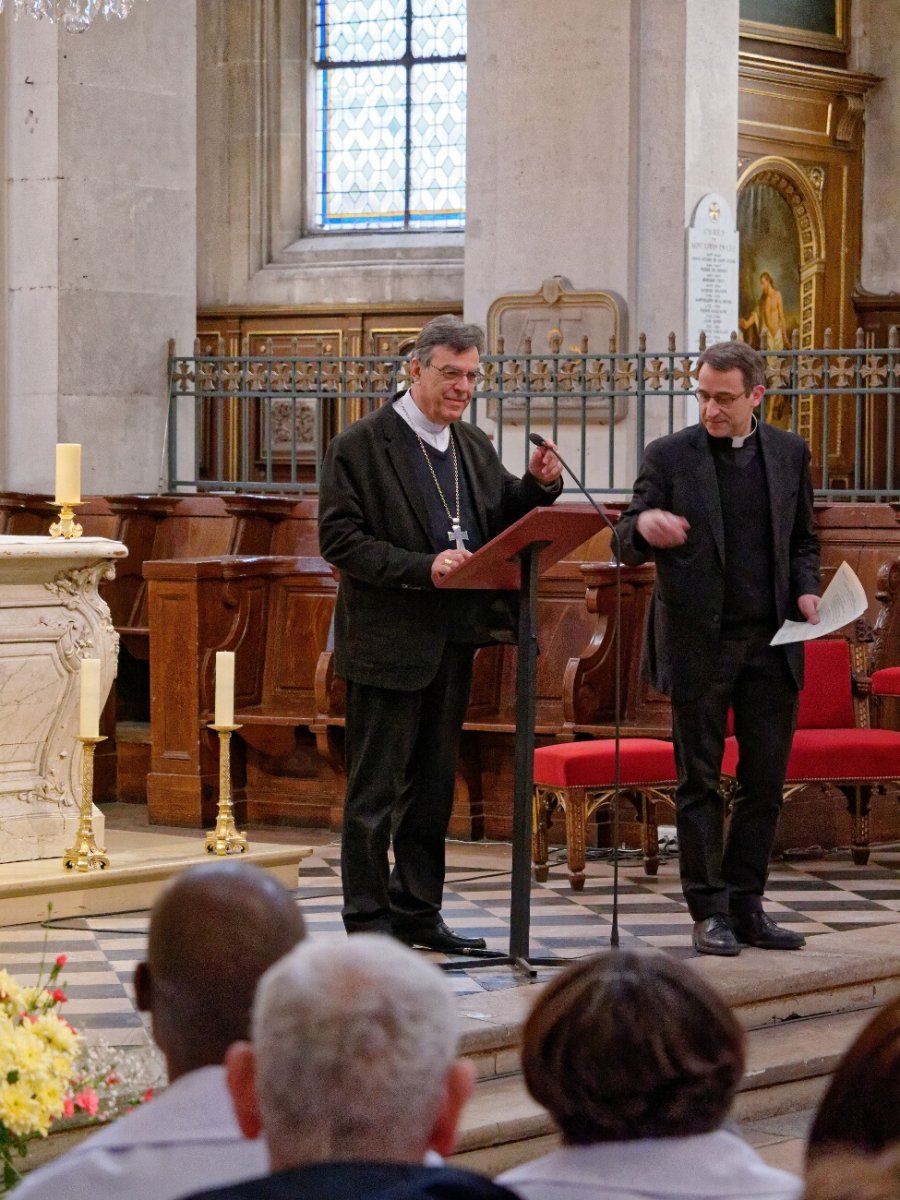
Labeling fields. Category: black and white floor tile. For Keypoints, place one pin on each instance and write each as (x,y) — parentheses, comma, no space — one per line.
(813,896)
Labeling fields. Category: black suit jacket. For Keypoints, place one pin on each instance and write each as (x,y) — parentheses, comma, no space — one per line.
(684,624)
(363,1181)
(391,622)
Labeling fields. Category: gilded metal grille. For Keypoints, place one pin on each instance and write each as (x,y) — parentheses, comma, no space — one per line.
(261,422)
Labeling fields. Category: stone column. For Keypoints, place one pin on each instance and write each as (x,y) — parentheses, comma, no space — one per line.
(100,165)
(595,127)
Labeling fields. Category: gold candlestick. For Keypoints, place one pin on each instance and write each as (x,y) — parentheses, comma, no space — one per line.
(66,526)
(86,855)
(225,838)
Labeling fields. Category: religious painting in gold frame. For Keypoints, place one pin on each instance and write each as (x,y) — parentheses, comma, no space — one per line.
(769,281)
(801,261)
(816,24)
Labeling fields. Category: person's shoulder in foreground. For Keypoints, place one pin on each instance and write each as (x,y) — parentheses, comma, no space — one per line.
(214,930)
(184,1138)
(363,1181)
(709,1166)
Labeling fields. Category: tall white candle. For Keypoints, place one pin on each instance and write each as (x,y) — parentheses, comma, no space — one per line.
(90,697)
(224,687)
(68,473)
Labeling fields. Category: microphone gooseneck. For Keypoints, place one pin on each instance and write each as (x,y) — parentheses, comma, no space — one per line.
(537,440)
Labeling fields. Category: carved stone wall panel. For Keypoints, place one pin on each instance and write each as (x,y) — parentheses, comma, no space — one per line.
(555,319)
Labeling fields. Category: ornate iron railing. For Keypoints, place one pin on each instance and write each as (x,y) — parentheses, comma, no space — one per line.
(262,422)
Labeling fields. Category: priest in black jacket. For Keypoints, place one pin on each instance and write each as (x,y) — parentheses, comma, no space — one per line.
(406,495)
(725,510)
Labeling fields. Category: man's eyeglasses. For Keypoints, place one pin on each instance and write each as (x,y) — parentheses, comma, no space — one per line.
(454,374)
(723,399)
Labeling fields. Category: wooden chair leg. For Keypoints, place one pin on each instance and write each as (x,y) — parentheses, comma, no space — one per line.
(649,835)
(858,805)
(576,820)
(541,814)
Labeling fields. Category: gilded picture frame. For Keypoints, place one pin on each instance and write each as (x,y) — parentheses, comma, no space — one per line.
(815,24)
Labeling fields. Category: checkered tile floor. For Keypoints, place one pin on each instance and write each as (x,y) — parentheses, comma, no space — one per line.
(812,896)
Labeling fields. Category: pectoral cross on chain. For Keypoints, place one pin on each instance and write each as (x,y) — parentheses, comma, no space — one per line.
(457,534)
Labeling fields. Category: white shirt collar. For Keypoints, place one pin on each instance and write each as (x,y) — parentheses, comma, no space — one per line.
(737,442)
(435,435)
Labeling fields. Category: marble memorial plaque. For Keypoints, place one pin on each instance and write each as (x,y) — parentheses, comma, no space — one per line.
(712,274)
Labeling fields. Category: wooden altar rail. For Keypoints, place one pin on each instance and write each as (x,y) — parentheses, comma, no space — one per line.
(253,583)
(275,613)
(170,527)
(158,527)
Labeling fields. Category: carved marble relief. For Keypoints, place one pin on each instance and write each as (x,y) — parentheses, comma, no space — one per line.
(51,617)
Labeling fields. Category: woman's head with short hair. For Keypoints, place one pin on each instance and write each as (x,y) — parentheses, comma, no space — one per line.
(629,1045)
(861,1107)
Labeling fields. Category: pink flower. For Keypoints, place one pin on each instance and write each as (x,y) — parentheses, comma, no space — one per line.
(68,1107)
(148,1095)
(59,996)
(61,960)
(88,1100)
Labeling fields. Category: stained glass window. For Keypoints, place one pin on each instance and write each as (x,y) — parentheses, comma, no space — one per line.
(390,114)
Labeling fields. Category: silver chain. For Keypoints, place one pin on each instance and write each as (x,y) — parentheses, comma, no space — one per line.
(453,520)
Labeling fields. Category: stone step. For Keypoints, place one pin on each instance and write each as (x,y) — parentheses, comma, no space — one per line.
(800,1012)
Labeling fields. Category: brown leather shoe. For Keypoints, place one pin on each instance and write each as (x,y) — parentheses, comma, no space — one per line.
(756,929)
(714,935)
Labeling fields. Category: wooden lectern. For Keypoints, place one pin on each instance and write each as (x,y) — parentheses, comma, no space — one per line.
(513,561)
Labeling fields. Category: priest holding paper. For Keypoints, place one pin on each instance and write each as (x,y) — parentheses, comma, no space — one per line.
(406,495)
(725,510)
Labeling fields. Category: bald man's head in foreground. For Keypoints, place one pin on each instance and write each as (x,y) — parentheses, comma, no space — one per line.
(214,931)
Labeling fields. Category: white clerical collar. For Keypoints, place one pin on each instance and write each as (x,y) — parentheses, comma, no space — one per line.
(435,435)
(737,442)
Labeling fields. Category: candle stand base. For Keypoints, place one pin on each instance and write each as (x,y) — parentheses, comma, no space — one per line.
(66,526)
(86,855)
(225,838)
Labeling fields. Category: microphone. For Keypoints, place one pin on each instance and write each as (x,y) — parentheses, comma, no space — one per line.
(537,440)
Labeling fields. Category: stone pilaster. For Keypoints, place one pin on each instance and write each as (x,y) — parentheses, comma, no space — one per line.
(595,127)
(101,229)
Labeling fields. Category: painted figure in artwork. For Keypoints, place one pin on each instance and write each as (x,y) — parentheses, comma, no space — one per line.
(768,316)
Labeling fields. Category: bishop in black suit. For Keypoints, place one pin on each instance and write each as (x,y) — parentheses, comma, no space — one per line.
(725,510)
(406,495)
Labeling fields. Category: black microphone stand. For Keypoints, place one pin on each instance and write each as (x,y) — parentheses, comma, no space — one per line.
(537,440)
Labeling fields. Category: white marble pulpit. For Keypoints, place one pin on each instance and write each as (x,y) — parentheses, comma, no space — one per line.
(51,617)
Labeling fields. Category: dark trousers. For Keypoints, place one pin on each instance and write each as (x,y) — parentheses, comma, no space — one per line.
(401,750)
(719,873)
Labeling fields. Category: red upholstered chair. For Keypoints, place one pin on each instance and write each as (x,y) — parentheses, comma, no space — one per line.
(578,777)
(833,743)
(886,682)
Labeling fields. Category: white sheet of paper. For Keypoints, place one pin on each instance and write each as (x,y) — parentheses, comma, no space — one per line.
(843,601)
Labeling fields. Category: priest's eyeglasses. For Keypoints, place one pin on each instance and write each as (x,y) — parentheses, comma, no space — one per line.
(454,374)
(722,399)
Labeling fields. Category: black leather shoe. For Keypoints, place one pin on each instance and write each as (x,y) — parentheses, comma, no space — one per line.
(756,929)
(437,937)
(714,935)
